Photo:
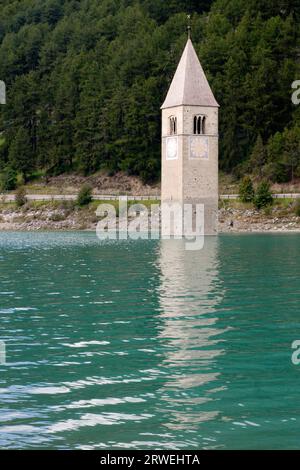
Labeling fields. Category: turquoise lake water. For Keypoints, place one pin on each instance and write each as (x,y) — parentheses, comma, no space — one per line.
(144,345)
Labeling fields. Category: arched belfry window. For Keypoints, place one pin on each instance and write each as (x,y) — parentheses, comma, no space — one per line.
(173,125)
(199,124)
(195,124)
(203,124)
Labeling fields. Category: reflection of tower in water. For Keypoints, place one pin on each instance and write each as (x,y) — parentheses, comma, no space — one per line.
(190,290)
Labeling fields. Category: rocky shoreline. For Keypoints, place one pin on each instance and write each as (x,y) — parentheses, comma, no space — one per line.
(65,216)
(251,220)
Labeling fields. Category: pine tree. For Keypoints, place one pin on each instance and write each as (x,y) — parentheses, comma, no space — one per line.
(263,196)
(20,153)
(258,156)
(291,154)
(246,190)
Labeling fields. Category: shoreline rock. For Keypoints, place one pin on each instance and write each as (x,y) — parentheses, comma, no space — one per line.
(231,220)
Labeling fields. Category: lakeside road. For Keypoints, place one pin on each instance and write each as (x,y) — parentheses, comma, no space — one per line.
(108,197)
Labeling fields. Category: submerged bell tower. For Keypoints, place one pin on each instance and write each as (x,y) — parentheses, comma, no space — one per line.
(190,140)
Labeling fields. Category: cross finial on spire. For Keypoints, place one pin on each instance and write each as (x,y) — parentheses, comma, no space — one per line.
(189,26)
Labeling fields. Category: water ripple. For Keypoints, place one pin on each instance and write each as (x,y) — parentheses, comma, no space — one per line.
(165,348)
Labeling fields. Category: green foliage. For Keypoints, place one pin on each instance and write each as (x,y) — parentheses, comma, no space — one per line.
(258,157)
(291,154)
(263,196)
(67,206)
(85,195)
(283,151)
(20,155)
(57,217)
(246,190)
(8,179)
(85,81)
(20,196)
(297,207)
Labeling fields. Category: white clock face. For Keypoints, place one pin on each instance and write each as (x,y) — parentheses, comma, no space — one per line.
(171,148)
(199,147)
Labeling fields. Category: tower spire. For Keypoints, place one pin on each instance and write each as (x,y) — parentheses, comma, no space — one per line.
(189,86)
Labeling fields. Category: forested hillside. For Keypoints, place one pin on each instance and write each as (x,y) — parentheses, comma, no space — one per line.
(85,81)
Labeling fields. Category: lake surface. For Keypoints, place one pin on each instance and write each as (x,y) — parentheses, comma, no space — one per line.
(144,345)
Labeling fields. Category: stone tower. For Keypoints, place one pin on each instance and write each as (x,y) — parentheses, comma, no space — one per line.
(190,140)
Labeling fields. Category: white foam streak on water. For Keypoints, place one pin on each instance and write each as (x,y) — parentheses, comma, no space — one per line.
(82,344)
(99,402)
(16,309)
(19,429)
(48,390)
(90,419)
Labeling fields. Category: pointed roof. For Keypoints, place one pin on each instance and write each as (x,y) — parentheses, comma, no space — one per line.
(189,85)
